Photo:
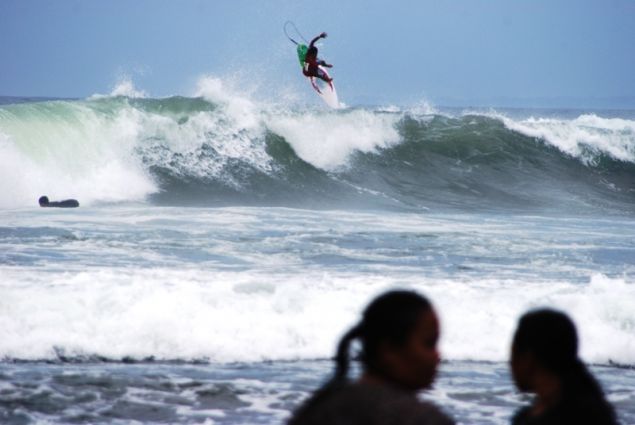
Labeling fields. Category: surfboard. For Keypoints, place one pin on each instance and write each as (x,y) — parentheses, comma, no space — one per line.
(325,90)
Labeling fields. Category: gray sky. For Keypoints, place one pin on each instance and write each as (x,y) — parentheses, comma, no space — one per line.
(451,52)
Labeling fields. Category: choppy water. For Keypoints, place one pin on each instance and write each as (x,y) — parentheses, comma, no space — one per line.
(223,246)
(246,393)
(272,289)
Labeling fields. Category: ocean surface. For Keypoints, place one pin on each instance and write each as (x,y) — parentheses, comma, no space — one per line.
(224,244)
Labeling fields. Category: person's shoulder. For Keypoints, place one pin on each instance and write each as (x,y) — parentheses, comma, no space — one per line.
(356,403)
(589,409)
(581,411)
(523,416)
(337,403)
(413,411)
(400,407)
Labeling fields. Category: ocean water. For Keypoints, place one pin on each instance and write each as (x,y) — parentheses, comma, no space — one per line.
(224,244)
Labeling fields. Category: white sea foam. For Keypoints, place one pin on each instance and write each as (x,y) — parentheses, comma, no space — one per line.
(479,317)
(327,140)
(583,137)
(253,316)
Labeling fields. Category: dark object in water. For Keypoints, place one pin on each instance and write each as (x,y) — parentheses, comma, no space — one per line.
(66,203)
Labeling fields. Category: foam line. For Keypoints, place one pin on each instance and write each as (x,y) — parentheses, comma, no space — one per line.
(233,317)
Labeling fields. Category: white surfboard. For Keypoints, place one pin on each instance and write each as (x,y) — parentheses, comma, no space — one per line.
(326,90)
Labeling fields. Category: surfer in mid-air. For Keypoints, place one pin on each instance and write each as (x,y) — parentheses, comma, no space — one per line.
(312,66)
(310,61)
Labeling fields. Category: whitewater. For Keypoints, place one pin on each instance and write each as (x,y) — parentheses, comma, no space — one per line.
(225,243)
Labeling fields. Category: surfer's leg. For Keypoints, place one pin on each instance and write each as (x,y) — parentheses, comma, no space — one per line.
(322,76)
(315,86)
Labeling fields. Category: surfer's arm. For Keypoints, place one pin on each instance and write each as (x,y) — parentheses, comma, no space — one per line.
(323,35)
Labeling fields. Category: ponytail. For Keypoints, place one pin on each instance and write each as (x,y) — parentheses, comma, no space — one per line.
(342,363)
(342,359)
(579,384)
(578,380)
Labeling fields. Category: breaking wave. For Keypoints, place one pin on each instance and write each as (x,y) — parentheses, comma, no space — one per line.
(220,148)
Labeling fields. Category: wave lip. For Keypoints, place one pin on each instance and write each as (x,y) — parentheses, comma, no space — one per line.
(584,137)
(328,141)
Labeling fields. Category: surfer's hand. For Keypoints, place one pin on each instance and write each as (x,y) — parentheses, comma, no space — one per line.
(323,35)
(327,65)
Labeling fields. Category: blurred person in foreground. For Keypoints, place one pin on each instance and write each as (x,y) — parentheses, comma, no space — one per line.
(544,361)
(398,334)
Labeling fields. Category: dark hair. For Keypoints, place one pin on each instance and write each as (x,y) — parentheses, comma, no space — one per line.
(43,200)
(312,51)
(389,318)
(551,337)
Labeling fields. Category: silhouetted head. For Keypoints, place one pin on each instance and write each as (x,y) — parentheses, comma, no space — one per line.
(549,339)
(398,332)
(312,51)
(546,345)
(44,201)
